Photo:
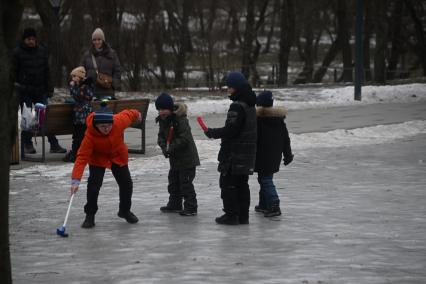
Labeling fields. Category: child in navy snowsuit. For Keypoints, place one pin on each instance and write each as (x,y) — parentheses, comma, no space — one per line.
(273,144)
(81,91)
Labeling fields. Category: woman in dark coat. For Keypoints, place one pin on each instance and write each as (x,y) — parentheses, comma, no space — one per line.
(273,142)
(101,58)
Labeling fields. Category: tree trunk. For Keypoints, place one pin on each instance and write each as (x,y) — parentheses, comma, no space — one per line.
(272,27)
(249,36)
(381,41)
(287,27)
(160,56)
(306,51)
(420,34)
(366,40)
(341,43)
(75,40)
(343,30)
(329,57)
(52,30)
(10,16)
(234,34)
(396,38)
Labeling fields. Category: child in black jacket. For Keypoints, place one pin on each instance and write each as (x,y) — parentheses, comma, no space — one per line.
(273,142)
(237,150)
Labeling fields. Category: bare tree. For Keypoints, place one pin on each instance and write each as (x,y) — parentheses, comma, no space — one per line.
(10,16)
(368,25)
(251,45)
(178,13)
(51,18)
(341,43)
(396,37)
(74,36)
(306,51)
(273,17)
(135,41)
(380,29)
(287,27)
(207,37)
(419,30)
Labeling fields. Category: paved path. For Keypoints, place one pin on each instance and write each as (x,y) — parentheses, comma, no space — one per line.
(351,215)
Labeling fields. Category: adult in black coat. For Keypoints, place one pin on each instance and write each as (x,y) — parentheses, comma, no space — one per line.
(237,151)
(273,144)
(30,68)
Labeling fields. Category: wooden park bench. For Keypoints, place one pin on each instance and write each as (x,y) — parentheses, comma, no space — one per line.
(58,121)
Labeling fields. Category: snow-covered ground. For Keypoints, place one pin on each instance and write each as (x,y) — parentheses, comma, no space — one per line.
(311,97)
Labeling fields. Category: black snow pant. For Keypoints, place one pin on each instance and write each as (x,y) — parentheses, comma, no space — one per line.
(235,194)
(180,186)
(94,183)
(77,137)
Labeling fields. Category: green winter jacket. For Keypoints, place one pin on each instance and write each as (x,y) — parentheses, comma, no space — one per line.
(183,152)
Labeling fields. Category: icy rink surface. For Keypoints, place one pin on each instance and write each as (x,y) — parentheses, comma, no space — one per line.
(353,204)
(350,215)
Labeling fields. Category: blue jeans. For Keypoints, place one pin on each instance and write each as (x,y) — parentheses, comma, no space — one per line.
(268,195)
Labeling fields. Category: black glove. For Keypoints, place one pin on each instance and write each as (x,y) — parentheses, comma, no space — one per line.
(288,159)
(166,153)
(208,133)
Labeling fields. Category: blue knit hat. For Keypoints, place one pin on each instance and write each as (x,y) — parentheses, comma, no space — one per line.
(103,114)
(265,99)
(164,101)
(236,80)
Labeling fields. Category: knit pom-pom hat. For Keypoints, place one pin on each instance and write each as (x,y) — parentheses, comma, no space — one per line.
(103,114)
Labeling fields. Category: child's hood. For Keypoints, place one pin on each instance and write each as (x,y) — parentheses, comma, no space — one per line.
(181,109)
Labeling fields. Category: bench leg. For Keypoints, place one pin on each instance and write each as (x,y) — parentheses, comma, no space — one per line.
(142,149)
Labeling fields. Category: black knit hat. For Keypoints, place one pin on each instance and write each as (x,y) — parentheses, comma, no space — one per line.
(164,101)
(236,80)
(265,99)
(103,114)
(29,32)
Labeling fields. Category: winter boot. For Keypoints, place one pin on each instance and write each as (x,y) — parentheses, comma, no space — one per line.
(29,149)
(226,219)
(188,212)
(69,157)
(171,209)
(243,220)
(129,216)
(259,209)
(56,148)
(89,222)
(275,211)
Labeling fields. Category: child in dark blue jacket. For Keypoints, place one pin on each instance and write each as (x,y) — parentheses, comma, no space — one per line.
(273,144)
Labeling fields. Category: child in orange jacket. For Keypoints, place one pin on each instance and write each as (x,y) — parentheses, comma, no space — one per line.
(103,147)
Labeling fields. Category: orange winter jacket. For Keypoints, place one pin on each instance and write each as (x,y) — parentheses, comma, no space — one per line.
(102,150)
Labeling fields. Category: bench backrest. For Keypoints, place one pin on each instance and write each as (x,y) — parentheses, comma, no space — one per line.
(59,116)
